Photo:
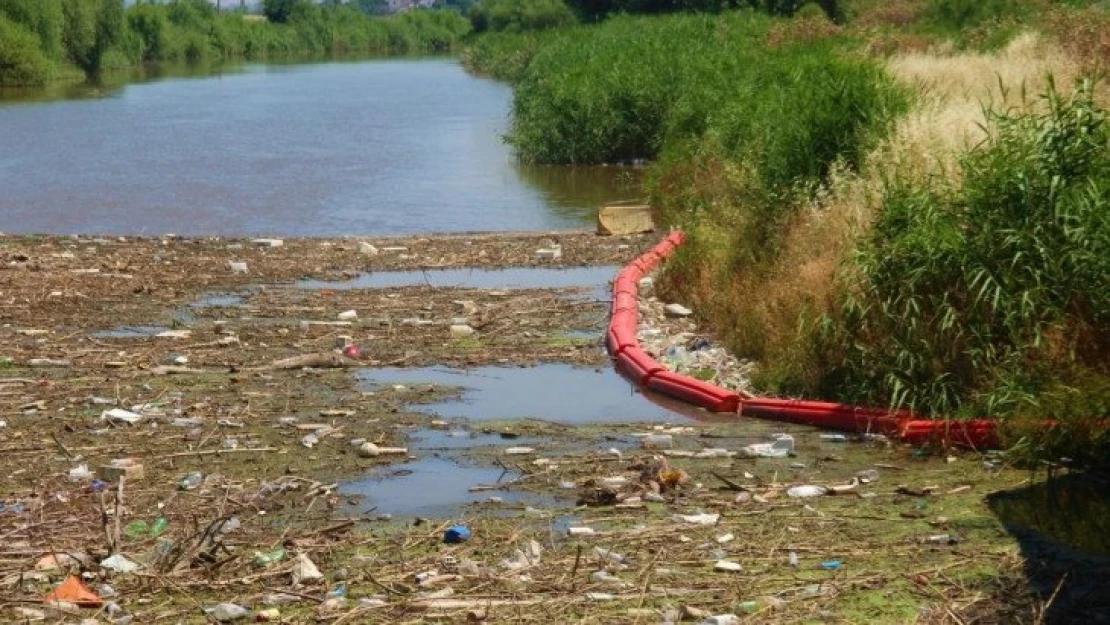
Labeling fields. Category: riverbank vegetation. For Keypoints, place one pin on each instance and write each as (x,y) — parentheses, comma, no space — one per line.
(45,40)
(889,202)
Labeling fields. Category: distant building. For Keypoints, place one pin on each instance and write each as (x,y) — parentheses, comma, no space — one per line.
(396,6)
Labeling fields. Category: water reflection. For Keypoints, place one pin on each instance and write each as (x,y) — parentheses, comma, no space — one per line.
(579,190)
(1063,527)
(1073,510)
(398,146)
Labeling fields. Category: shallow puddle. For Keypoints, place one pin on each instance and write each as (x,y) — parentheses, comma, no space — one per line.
(595,278)
(553,392)
(449,440)
(435,487)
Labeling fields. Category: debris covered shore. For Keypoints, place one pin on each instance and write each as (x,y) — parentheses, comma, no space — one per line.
(180,419)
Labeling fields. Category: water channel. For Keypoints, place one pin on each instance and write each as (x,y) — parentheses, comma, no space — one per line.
(376,147)
(379,147)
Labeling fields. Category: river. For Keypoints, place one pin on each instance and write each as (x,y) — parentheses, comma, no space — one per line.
(328,149)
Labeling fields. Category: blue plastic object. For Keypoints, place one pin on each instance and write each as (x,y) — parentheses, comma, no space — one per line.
(456,534)
(830,565)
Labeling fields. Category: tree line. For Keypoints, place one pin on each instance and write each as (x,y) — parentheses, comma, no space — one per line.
(46,40)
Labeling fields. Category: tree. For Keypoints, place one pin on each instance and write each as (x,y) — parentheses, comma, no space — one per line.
(89,28)
(283,11)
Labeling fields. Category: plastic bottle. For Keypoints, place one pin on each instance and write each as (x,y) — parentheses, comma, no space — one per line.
(658,441)
(136,529)
(794,559)
(160,525)
(266,558)
(226,612)
(191,481)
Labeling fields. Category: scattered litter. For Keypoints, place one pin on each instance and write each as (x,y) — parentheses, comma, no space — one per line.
(48,362)
(119,415)
(830,565)
(462,330)
(581,531)
(370,450)
(191,481)
(677,310)
(304,570)
(867,476)
(80,473)
(237,267)
(128,468)
(554,252)
(727,566)
(119,564)
(698,519)
(72,590)
(519,451)
(834,438)
(657,441)
(347,315)
(781,446)
(456,534)
(227,612)
(804,492)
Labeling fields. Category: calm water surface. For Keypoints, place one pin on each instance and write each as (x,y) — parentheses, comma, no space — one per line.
(375,147)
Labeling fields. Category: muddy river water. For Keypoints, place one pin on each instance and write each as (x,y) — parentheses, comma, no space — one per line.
(327,149)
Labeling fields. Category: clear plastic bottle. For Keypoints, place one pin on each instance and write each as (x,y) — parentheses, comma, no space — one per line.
(191,481)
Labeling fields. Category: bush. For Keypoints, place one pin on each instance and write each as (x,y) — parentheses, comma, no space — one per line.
(624,89)
(41,17)
(21,59)
(519,15)
(980,297)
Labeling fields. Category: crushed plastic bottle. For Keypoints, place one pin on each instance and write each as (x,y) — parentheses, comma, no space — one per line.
(80,473)
(230,525)
(227,612)
(806,491)
(266,558)
(191,481)
(159,526)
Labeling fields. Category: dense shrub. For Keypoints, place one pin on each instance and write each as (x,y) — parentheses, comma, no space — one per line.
(21,59)
(987,296)
(624,89)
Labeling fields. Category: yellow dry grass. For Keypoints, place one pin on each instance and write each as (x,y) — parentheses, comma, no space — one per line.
(954,90)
